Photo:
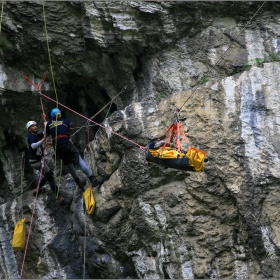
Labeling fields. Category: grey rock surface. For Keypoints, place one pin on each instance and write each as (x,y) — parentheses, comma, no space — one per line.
(150,222)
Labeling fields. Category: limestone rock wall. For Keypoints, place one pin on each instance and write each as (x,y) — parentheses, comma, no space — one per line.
(225,213)
(149,222)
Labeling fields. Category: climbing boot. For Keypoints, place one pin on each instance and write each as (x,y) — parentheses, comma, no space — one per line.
(80,183)
(96,182)
(41,190)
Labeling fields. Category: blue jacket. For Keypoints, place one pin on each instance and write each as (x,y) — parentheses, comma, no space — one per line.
(59,131)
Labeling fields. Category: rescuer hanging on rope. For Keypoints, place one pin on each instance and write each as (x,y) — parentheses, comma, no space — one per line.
(65,150)
(35,144)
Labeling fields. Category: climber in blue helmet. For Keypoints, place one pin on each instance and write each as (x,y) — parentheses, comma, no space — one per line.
(55,113)
(59,129)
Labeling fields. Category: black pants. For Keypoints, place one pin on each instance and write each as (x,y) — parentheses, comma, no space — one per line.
(49,178)
(68,153)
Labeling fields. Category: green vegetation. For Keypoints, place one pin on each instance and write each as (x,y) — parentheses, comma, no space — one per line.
(274,57)
(203,80)
(258,62)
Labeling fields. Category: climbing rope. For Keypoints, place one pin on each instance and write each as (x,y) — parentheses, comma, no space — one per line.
(38,87)
(21,180)
(51,67)
(18,193)
(108,110)
(111,131)
(60,176)
(110,102)
(1,16)
(49,53)
(210,70)
(55,160)
(85,243)
(88,132)
(33,212)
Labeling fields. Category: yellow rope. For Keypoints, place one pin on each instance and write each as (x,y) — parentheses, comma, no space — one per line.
(59,181)
(48,47)
(55,146)
(55,163)
(1,15)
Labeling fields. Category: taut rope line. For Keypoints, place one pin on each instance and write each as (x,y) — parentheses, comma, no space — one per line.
(109,103)
(21,180)
(32,216)
(111,131)
(49,53)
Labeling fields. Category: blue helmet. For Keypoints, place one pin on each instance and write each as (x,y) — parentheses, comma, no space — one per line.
(55,113)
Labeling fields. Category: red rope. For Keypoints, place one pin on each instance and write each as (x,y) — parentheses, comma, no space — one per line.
(115,133)
(33,211)
(38,88)
(176,130)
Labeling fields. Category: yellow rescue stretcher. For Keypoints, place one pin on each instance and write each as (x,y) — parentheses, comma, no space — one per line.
(192,160)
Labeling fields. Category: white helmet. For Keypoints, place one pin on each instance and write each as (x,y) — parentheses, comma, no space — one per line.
(30,123)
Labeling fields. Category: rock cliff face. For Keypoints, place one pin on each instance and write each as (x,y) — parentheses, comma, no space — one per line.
(150,222)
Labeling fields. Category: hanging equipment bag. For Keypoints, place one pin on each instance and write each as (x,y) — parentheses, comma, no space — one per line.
(89,201)
(19,237)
